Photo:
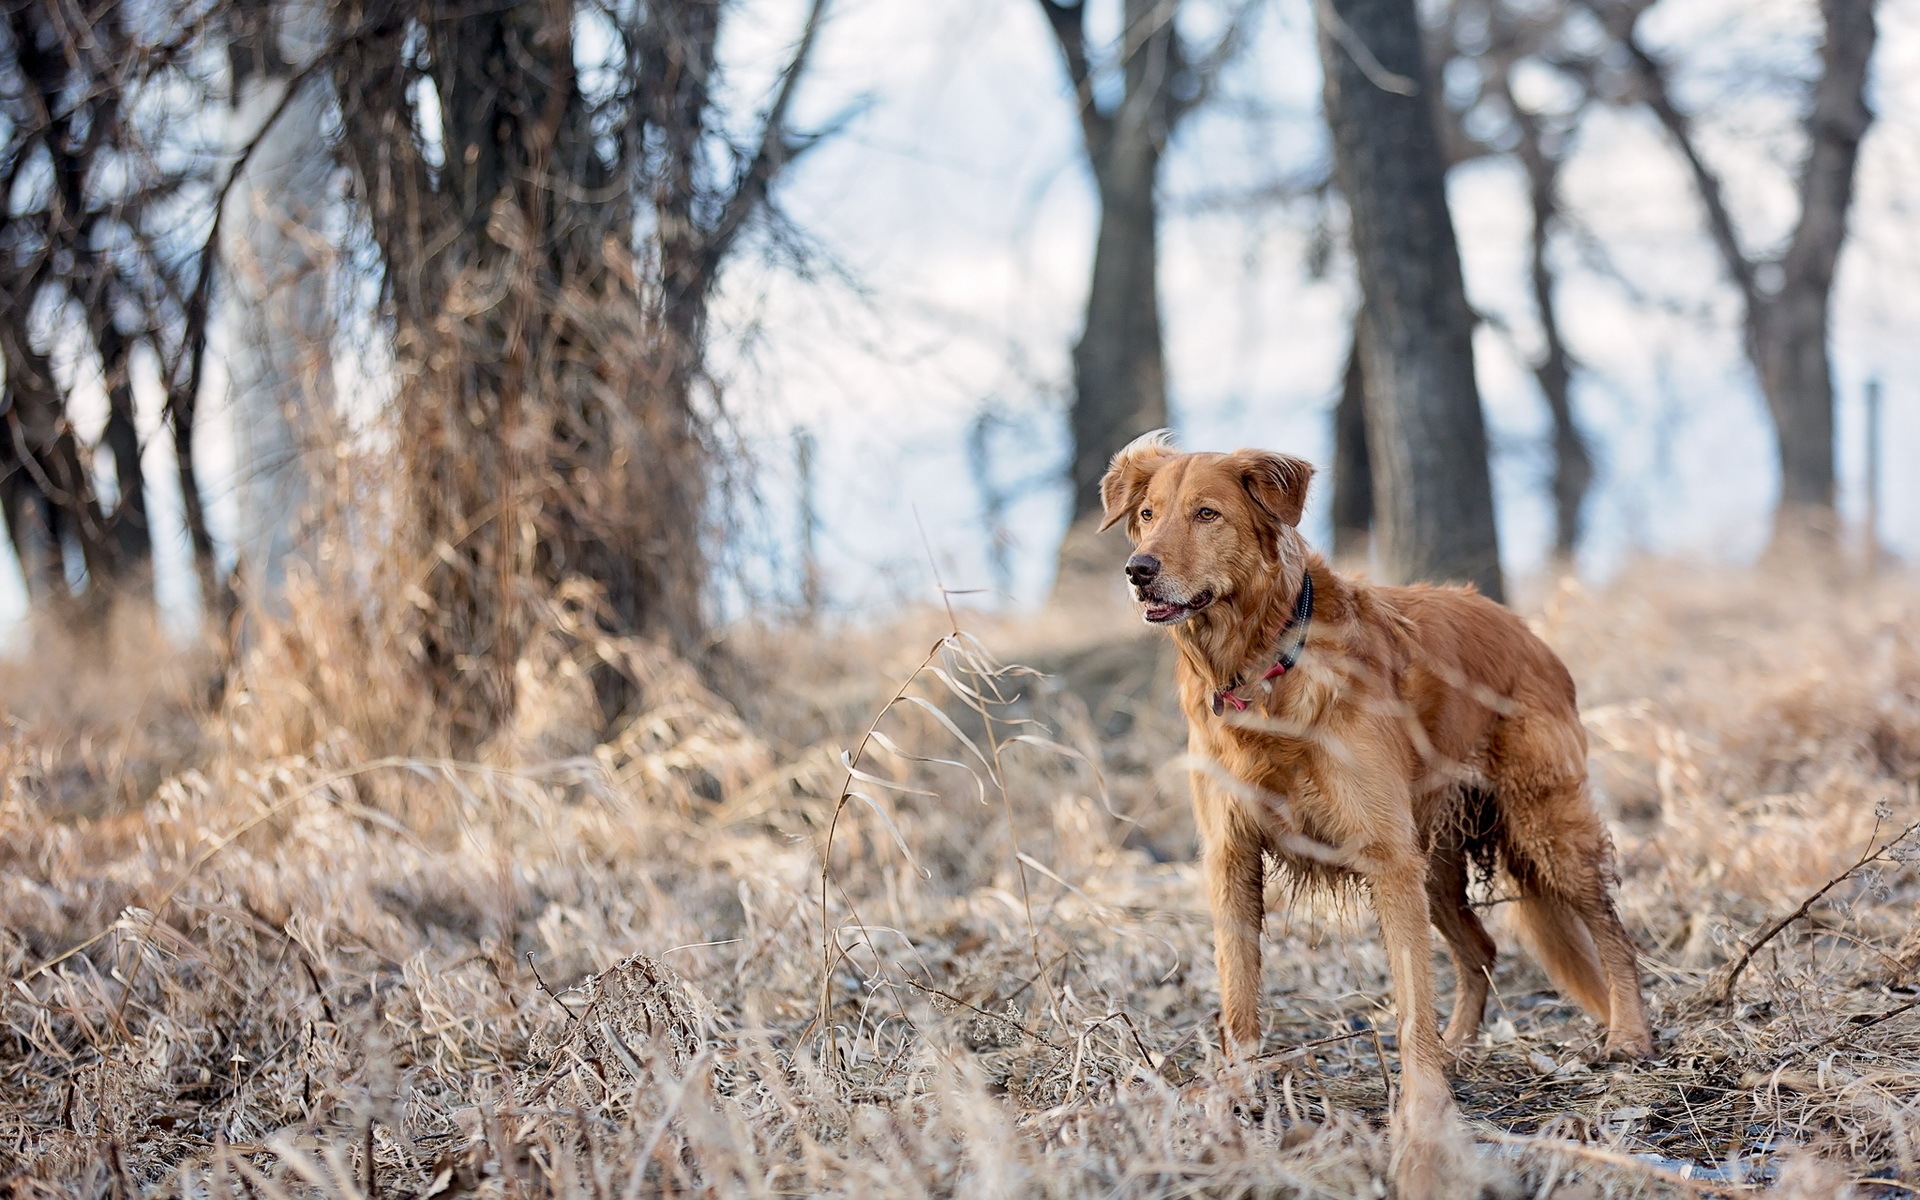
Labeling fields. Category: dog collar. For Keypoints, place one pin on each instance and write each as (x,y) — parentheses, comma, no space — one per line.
(1293,639)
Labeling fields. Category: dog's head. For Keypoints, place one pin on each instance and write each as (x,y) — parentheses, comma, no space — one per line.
(1204,526)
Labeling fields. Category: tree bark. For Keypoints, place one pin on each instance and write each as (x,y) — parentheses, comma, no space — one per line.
(1792,328)
(1433,494)
(1119,378)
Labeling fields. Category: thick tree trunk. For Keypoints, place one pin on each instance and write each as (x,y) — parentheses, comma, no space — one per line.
(1432,488)
(1119,379)
(1796,375)
(551,423)
(1352,464)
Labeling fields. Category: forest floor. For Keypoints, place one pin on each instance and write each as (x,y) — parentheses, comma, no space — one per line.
(251,950)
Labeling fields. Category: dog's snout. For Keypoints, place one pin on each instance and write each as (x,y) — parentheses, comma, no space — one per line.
(1142,569)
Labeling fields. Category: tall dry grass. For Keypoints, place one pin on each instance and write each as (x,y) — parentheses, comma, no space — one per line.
(274,949)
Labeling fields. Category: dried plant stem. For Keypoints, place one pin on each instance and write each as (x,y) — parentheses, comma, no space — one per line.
(827,955)
(1732,975)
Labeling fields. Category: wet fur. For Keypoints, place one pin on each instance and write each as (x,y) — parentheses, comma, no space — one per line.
(1424,734)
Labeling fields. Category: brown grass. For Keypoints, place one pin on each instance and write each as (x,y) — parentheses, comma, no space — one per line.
(312,963)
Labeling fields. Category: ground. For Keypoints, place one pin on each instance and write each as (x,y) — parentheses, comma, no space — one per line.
(253,942)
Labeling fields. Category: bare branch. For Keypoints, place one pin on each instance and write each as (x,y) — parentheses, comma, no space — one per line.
(1069,25)
(1652,76)
(1348,40)
(1206,71)
(776,150)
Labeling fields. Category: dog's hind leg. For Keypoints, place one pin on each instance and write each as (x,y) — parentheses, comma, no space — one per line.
(1467,940)
(1560,855)
(1554,933)
(1558,851)
(1573,929)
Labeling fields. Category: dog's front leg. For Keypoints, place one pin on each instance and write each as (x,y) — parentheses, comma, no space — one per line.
(1426,1153)
(1235,877)
(1398,882)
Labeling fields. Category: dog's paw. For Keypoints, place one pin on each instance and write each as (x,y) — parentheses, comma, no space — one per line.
(1629,1048)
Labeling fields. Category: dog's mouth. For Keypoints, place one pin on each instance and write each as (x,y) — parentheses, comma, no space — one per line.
(1172,612)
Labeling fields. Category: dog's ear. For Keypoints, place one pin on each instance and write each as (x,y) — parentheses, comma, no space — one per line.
(1276,482)
(1125,482)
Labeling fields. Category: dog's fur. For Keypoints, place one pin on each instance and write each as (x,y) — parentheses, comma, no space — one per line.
(1422,731)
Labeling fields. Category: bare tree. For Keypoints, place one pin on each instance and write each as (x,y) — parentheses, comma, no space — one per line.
(1433,494)
(1785,297)
(97,254)
(1119,374)
(548,278)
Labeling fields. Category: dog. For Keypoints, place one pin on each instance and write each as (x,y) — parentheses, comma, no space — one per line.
(1402,736)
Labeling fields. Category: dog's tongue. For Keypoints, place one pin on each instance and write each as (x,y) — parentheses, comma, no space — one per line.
(1161,612)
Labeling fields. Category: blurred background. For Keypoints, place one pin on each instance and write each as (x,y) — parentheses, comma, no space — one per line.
(833,265)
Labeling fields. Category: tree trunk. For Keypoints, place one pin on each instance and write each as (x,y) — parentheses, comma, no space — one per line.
(551,424)
(131,532)
(62,251)
(279,359)
(1433,494)
(1791,329)
(1119,380)
(1119,376)
(1572,463)
(1352,465)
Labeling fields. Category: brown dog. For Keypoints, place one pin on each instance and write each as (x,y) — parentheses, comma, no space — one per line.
(1400,734)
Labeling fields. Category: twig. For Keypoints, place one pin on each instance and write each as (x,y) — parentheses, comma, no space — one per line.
(1377,74)
(551,994)
(1772,931)
(827,956)
(1380,1055)
(1861,1026)
(952,999)
(1303,1047)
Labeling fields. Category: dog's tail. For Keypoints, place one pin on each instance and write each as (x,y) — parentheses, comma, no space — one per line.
(1554,934)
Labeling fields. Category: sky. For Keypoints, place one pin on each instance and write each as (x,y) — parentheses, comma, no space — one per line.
(947,234)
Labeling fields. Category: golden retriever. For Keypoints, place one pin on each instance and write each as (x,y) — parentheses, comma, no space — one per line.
(1401,735)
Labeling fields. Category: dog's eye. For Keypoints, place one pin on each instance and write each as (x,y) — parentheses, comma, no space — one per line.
(1146,514)
(1206,514)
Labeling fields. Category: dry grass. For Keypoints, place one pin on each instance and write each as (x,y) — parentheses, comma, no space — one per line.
(310,964)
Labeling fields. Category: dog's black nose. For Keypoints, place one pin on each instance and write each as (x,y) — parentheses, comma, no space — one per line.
(1142,568)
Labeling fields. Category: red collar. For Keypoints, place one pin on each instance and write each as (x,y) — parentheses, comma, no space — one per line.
(1293,639)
